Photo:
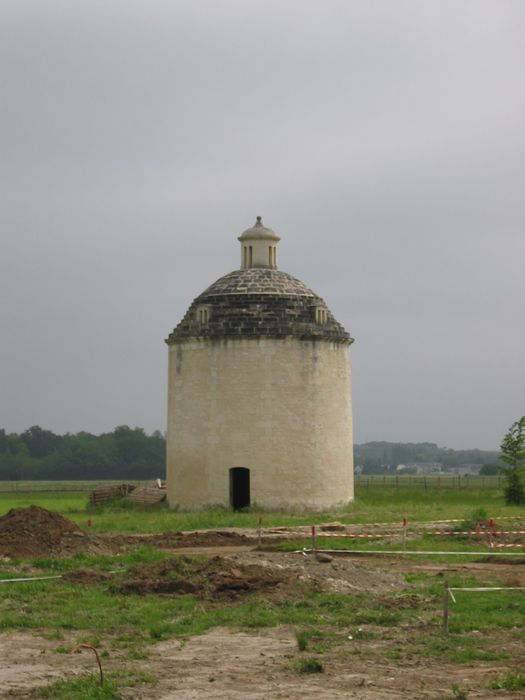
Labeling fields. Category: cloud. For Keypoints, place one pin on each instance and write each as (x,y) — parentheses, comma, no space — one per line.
(383,140)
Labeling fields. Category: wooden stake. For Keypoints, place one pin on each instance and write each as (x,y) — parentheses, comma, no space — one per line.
(446,595)
(314,540)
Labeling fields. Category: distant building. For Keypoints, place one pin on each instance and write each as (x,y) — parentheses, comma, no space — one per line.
(259,397)
(420,468)
(466,469)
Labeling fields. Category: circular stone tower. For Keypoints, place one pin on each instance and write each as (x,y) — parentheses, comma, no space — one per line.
(259,398)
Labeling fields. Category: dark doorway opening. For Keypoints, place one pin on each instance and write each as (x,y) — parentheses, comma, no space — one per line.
(239,488)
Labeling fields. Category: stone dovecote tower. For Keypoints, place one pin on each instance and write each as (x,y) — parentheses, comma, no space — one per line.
(259,396)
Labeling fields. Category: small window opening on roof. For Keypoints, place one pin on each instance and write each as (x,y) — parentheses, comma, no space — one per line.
(202,315)
(245,257)
(320,314)
(251,256)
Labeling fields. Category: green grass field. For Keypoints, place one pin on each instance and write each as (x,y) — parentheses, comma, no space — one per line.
(375,501)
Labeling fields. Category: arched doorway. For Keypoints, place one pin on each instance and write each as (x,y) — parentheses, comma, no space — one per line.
(239,488)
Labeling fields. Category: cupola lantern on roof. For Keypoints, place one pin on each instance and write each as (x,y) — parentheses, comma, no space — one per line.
(259,247)
(259,398)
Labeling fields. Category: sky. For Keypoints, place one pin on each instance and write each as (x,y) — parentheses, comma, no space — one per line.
(383,140)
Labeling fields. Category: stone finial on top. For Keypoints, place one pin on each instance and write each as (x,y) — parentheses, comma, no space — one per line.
(259,231)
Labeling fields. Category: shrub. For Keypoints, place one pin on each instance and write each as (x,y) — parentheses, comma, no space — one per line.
(309,664)
(512,680)
(302,640)
(513,454)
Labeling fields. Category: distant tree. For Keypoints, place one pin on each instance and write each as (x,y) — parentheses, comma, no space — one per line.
(490,470)
(372,465)
(450,458)
(4,441)
(40,442)
(513,454)
(402,453)
(16,463)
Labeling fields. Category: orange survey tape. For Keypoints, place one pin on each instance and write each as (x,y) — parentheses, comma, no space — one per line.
(353,535)
(363,535)
(475,532)
(404,552)
(450,520)
(493,544)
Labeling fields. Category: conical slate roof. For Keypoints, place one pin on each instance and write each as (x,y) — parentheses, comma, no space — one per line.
(258,303)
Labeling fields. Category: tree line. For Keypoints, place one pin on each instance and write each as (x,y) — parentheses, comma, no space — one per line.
(125,453)
(130,453)
(383,457)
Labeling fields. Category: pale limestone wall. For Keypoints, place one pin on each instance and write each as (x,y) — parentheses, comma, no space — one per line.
(282,408)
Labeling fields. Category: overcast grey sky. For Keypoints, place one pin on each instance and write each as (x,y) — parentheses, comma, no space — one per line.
(384,140)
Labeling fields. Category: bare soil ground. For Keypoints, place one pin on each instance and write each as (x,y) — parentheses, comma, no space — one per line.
(226,665)
(235,665)
(29,661)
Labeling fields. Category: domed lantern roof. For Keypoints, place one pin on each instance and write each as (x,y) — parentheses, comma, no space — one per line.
(259,301)
(258,232)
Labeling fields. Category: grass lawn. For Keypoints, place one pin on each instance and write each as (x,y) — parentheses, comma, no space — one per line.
(376,503)
(135,620)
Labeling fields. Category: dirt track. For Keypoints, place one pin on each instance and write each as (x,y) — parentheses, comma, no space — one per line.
(227,665)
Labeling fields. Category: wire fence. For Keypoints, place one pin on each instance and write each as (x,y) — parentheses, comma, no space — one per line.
(362,483)
(449,595)
(428,482)
(27,487)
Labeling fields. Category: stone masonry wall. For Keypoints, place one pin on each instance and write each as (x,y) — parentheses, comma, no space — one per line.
(280,407)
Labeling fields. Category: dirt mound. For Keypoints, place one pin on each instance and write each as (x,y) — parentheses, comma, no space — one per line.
(84,576)
(35,531)
(211,538)
(215,578)
(176,540)
(340,575)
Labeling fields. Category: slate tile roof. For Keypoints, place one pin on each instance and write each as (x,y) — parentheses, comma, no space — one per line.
(256,303)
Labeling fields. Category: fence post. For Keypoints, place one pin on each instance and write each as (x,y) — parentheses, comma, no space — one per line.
(314,540)
(446,595)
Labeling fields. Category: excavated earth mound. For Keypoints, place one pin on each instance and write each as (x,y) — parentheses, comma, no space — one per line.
(276,575)
(178,540)
(215,578)
(35,531)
